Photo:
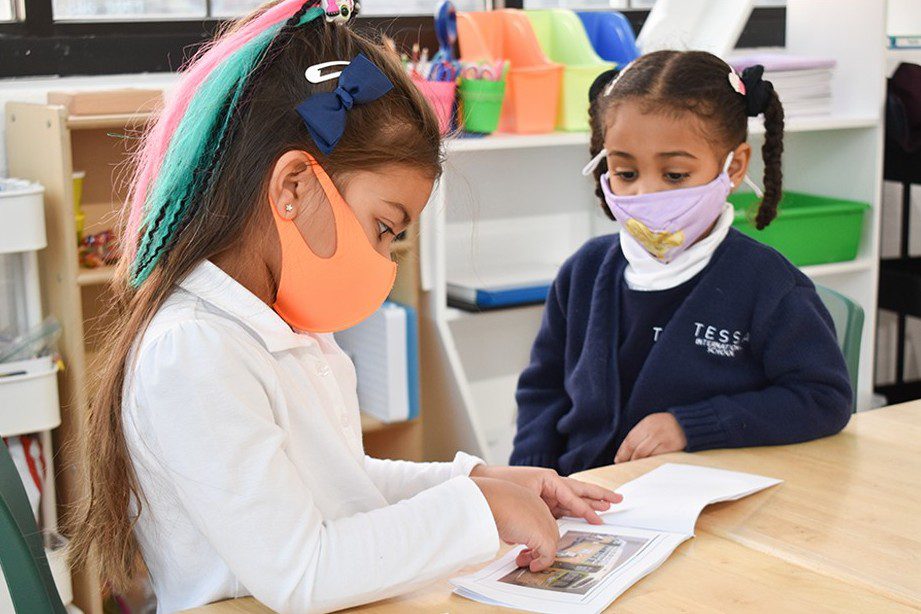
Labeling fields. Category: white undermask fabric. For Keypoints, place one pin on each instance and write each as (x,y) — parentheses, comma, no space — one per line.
(645,273)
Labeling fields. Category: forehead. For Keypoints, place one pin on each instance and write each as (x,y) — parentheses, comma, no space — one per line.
(632,129)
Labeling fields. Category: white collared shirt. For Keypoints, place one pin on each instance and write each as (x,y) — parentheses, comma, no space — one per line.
(246,440)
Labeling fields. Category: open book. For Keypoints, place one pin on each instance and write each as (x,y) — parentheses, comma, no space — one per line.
(596,563)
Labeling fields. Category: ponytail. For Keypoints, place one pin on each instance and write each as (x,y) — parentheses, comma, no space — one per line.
(771,153)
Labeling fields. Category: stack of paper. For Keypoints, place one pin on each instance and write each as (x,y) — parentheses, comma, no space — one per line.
(596,564)
(384,349)
(802,83)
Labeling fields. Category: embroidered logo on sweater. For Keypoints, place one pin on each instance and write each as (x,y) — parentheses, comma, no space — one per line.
(719,341)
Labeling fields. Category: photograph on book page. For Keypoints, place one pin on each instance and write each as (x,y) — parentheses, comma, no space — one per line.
(594,564)
(583,560)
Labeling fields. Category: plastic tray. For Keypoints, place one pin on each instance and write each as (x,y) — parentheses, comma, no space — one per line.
(563,38)
(809,229)
(611,35)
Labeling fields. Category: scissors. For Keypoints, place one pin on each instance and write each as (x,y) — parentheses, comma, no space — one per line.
(442,71)
(479,72)
(446,30)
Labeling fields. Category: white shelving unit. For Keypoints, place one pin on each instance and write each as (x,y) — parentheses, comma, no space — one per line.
(509,200)
(29,402)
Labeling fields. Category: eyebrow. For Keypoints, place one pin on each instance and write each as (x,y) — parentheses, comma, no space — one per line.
(406,219)
(664,154)
(676,154)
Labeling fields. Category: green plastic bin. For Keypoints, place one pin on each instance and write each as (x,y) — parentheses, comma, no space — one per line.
(809,229)
(481,104)
(564,39)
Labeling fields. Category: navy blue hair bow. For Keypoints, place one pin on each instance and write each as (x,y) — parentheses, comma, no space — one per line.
(324,113)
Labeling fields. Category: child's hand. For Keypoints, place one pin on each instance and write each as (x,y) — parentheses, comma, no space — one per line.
(522,518)
(655,434)
(563,496)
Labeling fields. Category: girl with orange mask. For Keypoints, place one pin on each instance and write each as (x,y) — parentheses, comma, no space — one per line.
(224,444)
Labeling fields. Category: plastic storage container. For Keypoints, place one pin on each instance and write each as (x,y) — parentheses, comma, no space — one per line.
(533,81)
(809,229)
(441,95)
(481,104)
(22,216)
(28,388)
(30,398)
(611,35)
(563,38)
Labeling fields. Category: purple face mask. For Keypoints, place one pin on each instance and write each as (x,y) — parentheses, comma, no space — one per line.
(668,222)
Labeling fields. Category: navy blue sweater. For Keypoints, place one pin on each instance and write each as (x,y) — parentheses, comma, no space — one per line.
(749,358)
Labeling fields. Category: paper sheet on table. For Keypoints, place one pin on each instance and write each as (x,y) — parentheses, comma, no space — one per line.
(671,496)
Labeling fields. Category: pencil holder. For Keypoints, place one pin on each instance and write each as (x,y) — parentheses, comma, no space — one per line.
(481,104)
(441,95)
(532,96)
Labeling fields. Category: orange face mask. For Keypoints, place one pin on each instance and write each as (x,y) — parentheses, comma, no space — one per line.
(326,295)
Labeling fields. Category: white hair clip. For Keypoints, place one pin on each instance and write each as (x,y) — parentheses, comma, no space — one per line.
(607,90)
(313,72)
(736,82)
(340,11)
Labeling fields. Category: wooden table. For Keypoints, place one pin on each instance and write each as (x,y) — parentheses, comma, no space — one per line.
(842,533)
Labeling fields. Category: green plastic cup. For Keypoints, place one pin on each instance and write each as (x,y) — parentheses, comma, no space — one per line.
(481,104)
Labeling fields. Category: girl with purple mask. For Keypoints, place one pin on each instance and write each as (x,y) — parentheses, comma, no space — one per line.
(678,333)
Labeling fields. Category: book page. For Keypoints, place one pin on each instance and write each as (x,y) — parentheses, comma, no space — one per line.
(671,497)
(594,564)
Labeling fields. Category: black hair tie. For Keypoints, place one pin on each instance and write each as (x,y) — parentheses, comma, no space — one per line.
(600,82)
(757,90)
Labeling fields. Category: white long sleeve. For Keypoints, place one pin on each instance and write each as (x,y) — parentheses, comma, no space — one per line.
(398,480)
(253,483)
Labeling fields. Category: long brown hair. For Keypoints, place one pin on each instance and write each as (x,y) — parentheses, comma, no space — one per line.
(696,82)
(397,128)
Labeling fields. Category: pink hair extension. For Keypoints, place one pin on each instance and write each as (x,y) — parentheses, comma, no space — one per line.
(156,143)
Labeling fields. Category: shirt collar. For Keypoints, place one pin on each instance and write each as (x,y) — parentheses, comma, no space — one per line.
(210,283)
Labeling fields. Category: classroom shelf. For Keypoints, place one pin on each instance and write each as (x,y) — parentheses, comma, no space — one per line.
(454,314)
(839,268)
(92,122)
(92,277)
(517,141)
(815,272)
(806,123)
(819,123)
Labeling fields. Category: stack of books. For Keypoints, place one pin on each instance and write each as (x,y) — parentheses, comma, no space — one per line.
(803,83)
(385,351)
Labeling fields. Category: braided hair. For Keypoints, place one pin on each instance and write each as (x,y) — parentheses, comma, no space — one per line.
(697,82)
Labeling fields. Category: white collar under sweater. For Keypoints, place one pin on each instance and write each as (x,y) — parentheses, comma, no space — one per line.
(645,273)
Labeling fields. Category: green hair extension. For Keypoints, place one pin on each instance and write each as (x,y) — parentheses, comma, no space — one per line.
(195,146)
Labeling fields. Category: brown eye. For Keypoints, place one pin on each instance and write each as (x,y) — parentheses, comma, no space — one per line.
(626,175)
(383,229)
(676,177)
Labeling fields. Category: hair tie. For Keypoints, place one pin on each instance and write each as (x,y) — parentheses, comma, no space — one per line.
(340,11)
(600,82)
(324,113)
(757,91)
